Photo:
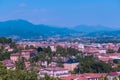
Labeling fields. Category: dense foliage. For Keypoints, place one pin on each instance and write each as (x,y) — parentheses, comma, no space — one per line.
(110,51)
(118,50)
(100,39)
(89,64)
(7,42)
(19,74)
(16,74)
(68,52)
(4,40)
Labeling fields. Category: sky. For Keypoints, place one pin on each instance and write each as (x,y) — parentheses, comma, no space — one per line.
(63,13)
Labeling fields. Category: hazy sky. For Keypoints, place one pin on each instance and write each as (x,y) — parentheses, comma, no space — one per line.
(63,12)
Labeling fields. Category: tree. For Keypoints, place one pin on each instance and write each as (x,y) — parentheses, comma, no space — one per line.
(72,51)
(47,50)
(60,50)
(20,64)
(42,56)
(3,70)
(118,50)
(60,63)
(20,75)
(26,47)
(4,40)
(49,78)
(4,54)
(115,78)
(13,45)
(110,51)
(88,64)
(32,47)
(39,49)
(116,61)
(17,74)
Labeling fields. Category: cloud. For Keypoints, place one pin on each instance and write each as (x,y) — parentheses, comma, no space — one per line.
(22,5)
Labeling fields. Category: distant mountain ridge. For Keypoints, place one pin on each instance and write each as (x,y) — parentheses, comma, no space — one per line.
(25,29)
(115,33)
(86,28)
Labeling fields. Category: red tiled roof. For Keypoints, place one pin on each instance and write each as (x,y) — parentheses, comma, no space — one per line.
(55,69)
(104,59)
(15,54)
(113,73)
(84,76)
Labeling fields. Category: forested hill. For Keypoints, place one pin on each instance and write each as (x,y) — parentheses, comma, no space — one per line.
(25,29)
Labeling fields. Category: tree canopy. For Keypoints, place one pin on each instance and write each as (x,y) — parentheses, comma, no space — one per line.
(88,64)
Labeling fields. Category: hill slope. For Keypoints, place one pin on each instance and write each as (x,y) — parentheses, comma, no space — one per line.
(26,29)
(85,28)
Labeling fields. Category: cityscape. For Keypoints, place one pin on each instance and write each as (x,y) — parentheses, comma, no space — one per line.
(60,40)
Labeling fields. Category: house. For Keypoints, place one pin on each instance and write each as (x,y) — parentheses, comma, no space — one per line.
(112,75)
(54,72)
(14,57)
(71,64)
(62,44)
(10,49)
(27,54)
(85,76)
(9,64)
(81,47)
(7,46)
(74,77)
(104,51)
(108,57)
(91,50)
(27,64)
(53,48)
(42,63)
(53,64)
(106,60)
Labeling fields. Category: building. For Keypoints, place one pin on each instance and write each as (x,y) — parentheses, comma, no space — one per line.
(53,48)
(9,64)
(27,54)
(112,75)
(81,47)
(71,64)
(86,76)
(54,72)
(27,64)
(10,50)
(14,57)
(104,51)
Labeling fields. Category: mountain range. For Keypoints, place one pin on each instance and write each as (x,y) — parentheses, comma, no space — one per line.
(25,29)
(86,28)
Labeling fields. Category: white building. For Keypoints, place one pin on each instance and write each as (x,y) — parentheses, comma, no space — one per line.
(81,47)
(102,51)
(54,72)
(53,48)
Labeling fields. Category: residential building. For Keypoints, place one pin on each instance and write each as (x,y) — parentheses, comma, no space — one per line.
(14,57)
(54,72)
(71,64)
(27,54)
(112,75)
(9,64)
(85,76)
